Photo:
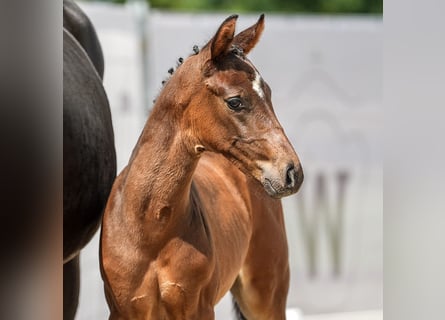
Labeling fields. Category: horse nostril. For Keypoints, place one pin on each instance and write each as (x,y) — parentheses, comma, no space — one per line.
(290,176)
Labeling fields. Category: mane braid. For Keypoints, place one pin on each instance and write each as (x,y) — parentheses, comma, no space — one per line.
(196,50)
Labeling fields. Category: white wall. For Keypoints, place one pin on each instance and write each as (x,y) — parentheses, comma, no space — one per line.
(325,75)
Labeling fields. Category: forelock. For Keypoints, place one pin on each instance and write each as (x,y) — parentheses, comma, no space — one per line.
(236,61)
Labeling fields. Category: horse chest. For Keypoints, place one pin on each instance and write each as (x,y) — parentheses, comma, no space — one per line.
(200,264)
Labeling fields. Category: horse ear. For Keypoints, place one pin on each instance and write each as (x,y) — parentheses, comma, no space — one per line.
(223,38)
(248,38)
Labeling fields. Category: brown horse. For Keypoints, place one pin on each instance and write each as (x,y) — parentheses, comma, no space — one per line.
(197,212)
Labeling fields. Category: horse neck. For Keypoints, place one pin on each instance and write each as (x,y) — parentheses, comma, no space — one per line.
(161,168)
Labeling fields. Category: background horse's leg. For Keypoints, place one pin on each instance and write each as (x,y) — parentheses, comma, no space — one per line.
(71,284)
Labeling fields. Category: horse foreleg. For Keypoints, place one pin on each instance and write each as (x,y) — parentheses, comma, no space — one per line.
(71,284)
(261,287)
(261,295)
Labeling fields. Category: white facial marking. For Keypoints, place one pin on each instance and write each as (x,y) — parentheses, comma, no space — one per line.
(265,166)
(256,85)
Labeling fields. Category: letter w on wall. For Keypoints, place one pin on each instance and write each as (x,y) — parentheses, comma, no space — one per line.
(326,214)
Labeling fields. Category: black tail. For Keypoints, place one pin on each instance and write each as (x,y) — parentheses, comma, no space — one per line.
(238,314)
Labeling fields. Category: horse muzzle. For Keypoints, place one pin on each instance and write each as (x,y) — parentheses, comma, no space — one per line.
(281,183)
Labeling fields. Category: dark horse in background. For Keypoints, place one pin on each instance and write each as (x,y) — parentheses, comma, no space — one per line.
(89,157)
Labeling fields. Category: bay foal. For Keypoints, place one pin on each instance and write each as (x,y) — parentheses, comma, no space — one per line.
(197,212)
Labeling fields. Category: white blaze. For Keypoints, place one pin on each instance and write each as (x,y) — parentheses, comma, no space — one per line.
(256,85)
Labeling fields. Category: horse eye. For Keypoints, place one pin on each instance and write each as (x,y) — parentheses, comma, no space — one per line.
(234,103)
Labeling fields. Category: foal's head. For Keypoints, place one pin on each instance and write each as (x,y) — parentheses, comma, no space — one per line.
(227,108)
